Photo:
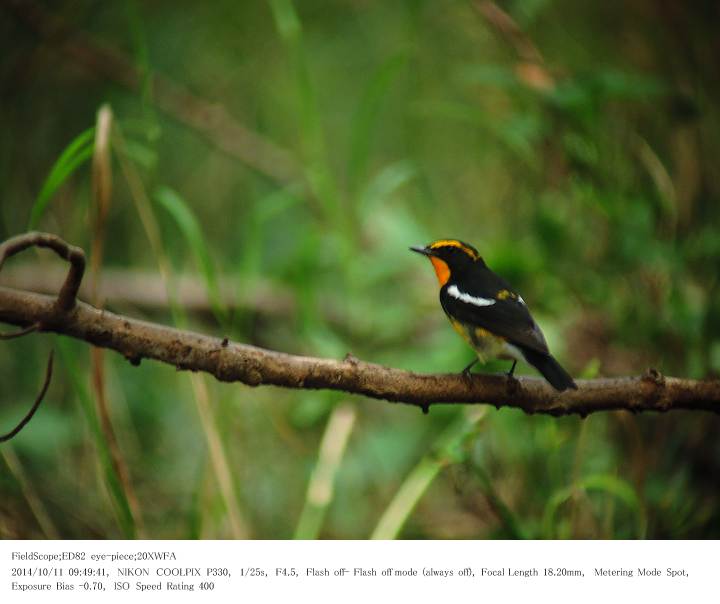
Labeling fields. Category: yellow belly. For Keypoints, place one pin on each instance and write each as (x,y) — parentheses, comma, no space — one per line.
(486,345)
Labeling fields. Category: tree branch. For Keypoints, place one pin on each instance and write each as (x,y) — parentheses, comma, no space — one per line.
(232,362)
(254,366)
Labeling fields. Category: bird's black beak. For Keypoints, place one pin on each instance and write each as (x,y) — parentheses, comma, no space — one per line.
(420,249)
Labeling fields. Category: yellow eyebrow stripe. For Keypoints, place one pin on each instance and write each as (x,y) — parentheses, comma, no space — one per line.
(454,243)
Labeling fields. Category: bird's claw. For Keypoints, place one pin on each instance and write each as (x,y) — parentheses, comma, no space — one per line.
(466,372)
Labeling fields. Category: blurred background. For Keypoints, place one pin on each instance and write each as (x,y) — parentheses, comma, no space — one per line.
(257,170)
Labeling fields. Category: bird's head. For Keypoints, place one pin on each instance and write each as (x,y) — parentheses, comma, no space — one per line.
(449,257)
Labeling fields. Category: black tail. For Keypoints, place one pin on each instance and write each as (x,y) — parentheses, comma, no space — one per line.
(551,370)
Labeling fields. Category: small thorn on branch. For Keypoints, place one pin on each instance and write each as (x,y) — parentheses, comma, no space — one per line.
(350,358)
(653,376)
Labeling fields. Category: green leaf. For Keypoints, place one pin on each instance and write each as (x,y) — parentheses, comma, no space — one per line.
(75,155)
(190,228)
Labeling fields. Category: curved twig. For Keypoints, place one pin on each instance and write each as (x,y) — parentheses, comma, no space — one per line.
(64,302)
(23,422)
(20,333)
(74,255)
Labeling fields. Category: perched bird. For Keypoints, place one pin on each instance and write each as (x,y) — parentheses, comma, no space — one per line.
(487,313)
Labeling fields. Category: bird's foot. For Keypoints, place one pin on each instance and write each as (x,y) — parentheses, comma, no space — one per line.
(512,381)
(466,372)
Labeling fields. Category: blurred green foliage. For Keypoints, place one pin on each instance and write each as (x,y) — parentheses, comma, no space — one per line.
(578,153)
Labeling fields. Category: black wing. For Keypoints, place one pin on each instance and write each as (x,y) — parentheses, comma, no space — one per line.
(508,318)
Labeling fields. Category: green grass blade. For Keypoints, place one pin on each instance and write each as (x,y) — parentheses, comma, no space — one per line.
(113,483)
(289,27)
(509,521)
(622,490)
(319,494)
(75,155)
(386,183)
(365,120)
(190,228)
(316,161)
(217,455)
(34,501)
(551,507)
(255,229)
(142,154)
(444,452)
(286,19)
(612,485)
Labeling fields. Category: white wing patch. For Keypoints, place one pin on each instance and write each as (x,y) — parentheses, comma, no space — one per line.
(463,297)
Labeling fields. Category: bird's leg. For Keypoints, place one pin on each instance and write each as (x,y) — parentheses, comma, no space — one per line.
(512,369)
(466,371)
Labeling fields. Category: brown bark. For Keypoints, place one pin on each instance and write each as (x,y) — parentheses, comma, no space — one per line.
(230,362)
(234,362)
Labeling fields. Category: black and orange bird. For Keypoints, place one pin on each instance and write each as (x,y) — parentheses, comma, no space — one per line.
(487,313)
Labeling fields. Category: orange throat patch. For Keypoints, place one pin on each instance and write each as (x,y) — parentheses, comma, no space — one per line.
(442,270)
